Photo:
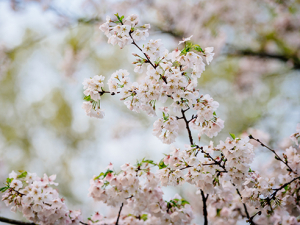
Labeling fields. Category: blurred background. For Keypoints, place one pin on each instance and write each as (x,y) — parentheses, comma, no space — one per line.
(47,48)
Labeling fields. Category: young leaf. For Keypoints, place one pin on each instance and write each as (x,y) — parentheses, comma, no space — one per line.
(183,202)
(9,180)
(232,135)
(161,164)
(148,161)
(87,98)
(3,189)
(22,175)
(144,217)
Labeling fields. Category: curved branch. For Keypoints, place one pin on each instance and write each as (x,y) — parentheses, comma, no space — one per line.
(276,155)
(119,214)
(250,219)
(11,221)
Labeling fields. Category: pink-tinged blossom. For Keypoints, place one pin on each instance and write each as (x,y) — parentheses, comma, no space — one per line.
(185,40)
(38,201)
(209,54)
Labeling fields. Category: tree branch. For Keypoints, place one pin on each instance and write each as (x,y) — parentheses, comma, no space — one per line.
(187,126)
(117,222)
(11,221)
(204,199)
(283,186)
(276,155)
(148,59)
(246,210)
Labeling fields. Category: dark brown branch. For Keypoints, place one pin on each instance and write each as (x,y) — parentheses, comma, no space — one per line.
(276,155)
(148,59)
(280,188)
(119,214)
(83,223)
(204,199)
(11,221)
(193,117)
(246,210)
(252,217)
(219,163)
(188,166)
(272,196)
(187,126)
(107,92)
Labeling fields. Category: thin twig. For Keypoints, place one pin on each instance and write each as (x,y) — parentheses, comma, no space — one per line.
(272,196)
(83,223)
(246,210)
(117,222)
(280,188)
(187,126)
(204,199)
(252,217)
(276,155)
(148,59)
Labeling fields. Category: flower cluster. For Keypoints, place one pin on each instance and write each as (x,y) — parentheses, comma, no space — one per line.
(37,200)
(292,157)
(212,173)
(122,31)
(169,75)
(206,121)
(166,129)
(225,210)
(93,88)
(238,154)
(136,187)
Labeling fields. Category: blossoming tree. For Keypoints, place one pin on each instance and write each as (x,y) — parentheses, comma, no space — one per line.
(230,190)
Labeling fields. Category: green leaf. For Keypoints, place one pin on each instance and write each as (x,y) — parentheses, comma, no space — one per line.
(3,189)
(198,48)
(144,217)
(214,113)
(161,164)
(22,175)
(184,202)
(103,175)
(286,187)
(149,161)
(166,117)
(87,98)
(100,175)
(232,135)
(107,172)
(9,180)
(119,18)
